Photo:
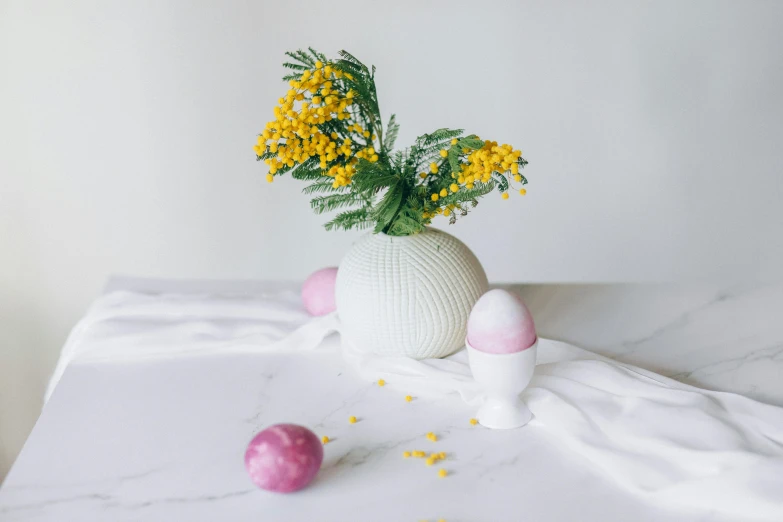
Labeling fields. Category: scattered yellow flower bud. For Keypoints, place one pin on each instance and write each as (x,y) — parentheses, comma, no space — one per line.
(442,455)
(518,178)
(431,436)
(444,153)
(474,421)
(381,382)
(433,168)
(408,398)
(430,461)
(434,197)
(442,473)
(325,439)
(447,212)
(444,193)
(270,178)
(406,454)
(453,141)
(505,195)
(522,192)
(319,64)
(352,419)
(454,187)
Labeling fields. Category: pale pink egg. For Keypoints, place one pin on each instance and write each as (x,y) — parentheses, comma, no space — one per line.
(500,323)
(284,458)
(318,291)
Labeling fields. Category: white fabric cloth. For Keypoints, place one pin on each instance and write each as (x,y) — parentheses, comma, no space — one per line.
(671,443)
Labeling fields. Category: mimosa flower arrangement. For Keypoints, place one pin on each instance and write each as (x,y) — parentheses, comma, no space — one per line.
(328,131)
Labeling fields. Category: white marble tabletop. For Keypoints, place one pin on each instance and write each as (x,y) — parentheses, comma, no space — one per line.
(164,439)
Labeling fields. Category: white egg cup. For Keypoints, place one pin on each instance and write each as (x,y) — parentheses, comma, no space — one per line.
(504,376)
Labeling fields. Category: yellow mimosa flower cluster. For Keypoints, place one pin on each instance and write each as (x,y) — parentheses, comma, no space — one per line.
(488,159)
(294,136)
(478,166)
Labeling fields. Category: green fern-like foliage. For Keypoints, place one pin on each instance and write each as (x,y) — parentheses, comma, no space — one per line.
(328,131)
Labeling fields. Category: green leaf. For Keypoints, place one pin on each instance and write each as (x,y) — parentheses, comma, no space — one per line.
(502,182)
(358,218)
(405,226)
(397,160)
(454,163)
(317,55)
(471,143)
(409,219)
(387,208)
(302,57)
(308,170)
(318,187)
(373,184)
(372,176)
(392,129)
(323,204)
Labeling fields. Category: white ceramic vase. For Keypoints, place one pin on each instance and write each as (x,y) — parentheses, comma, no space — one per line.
(408,296)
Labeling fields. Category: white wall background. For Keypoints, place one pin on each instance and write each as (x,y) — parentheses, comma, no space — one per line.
(653,131)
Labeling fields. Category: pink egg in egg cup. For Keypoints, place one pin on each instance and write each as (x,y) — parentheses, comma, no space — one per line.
(502,348)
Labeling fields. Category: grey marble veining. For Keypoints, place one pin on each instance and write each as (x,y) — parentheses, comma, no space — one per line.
(728,339)
(163,440)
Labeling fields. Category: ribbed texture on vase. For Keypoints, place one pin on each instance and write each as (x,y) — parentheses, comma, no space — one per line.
(408,295)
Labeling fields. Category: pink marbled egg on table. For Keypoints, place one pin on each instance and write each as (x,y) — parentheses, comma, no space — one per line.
(500,323)
(284,458)
(318,291)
